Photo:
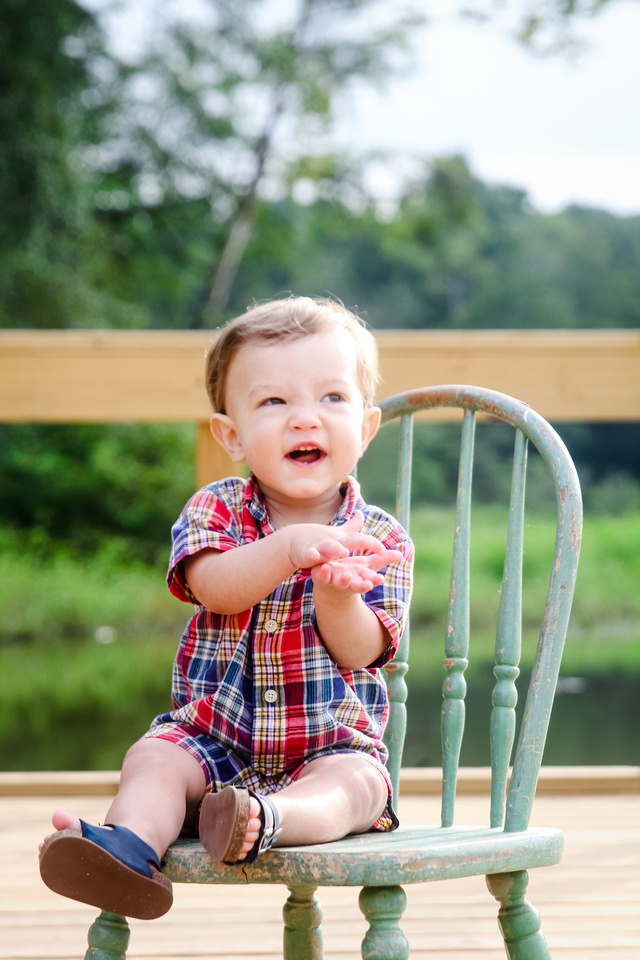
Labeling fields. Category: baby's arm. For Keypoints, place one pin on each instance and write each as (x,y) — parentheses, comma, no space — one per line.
(231,581)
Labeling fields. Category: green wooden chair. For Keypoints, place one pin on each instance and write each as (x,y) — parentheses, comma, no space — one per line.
(507,847)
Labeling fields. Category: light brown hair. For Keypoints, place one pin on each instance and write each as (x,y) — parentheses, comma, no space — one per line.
(290,319)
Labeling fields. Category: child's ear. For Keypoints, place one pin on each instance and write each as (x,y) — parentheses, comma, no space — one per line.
(224,431)
(370,426)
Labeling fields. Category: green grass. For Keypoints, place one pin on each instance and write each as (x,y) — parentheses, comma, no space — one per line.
(71,702)
(51,595)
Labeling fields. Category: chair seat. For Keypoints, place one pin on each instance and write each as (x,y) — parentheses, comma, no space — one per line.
(408,855)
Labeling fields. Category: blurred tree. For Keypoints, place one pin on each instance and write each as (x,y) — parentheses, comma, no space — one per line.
(442,229)
(41,80)
(455,252)
(53,77)
(222,107)
(131,190)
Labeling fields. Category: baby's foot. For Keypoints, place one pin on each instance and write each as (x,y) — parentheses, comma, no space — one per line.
(62,820)
(111,868)
(253,828)
(231,824)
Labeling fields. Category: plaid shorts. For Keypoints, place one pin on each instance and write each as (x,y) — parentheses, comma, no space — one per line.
(223,767)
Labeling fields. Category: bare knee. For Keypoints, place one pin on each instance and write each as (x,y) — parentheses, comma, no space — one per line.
(145,756)
(150,750)
(369,791)
(166,764)
(349,791)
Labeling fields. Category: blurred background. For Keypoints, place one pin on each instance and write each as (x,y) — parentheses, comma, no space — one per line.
(468,165)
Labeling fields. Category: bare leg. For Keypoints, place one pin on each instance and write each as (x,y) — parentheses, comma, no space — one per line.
(333,797)
(161,786)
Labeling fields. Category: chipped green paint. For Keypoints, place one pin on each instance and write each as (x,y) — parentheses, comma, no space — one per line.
(108,938)
(302,915)
(383,907)
(519,920)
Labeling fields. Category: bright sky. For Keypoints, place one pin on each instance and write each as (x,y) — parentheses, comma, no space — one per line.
(566,130)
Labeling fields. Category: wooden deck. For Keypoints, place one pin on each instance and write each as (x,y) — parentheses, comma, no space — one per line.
(590,903)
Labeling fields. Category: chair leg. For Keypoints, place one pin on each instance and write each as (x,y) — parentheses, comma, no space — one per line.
(519,920)
(108,938)
(302,915)
(383,907)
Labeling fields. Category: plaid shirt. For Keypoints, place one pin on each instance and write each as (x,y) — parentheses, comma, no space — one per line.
(261,682)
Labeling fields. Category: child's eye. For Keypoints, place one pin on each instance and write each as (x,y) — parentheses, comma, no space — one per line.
(333,397)
(270,401)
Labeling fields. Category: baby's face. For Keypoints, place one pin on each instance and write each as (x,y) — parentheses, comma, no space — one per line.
(295,413)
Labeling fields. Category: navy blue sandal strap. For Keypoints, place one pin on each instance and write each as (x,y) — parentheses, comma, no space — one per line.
(123,844)
(270,827)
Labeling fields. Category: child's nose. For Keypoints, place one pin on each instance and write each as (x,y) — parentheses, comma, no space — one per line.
(304,416)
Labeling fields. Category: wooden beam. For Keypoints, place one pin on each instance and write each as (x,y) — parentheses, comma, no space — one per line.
(212,462)
(157,376)
(107,376)
(414,781)
(576,375)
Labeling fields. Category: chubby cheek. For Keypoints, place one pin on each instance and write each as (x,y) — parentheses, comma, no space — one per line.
(265,453)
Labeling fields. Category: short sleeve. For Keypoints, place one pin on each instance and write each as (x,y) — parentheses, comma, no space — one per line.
(212,519)
(391,599)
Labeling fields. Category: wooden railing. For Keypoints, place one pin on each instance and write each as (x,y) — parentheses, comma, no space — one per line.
(112,376)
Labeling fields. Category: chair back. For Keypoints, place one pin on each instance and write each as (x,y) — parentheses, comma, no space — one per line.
(511,796)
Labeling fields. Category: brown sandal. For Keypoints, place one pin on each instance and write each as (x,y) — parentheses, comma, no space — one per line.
(223,824)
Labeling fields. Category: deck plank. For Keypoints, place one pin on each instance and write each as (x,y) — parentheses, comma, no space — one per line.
(590,903)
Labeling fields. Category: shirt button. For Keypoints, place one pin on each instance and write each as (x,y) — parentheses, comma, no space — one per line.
(270,696)
(271,626)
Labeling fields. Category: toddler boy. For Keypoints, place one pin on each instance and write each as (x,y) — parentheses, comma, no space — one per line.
(300,592)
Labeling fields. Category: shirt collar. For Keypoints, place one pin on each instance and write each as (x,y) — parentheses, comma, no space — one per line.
(254,501)
(350,490)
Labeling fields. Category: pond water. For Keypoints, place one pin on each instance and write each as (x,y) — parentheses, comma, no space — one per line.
(595,720)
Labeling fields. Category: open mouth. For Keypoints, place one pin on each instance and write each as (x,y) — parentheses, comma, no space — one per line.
(306,455)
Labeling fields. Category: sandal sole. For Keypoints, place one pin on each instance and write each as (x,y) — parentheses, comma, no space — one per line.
(79,869)
(223,823)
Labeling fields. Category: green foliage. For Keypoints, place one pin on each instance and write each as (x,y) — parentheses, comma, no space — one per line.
(454,253)
(234,86)
(54,79)
(610,556)
(37,114)
(52,594)
(76,485)
(126,187)
(122,184)
(543,27)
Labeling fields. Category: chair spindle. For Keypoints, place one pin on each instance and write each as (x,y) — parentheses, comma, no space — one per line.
(457,633)
(508,639)
(395,672)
